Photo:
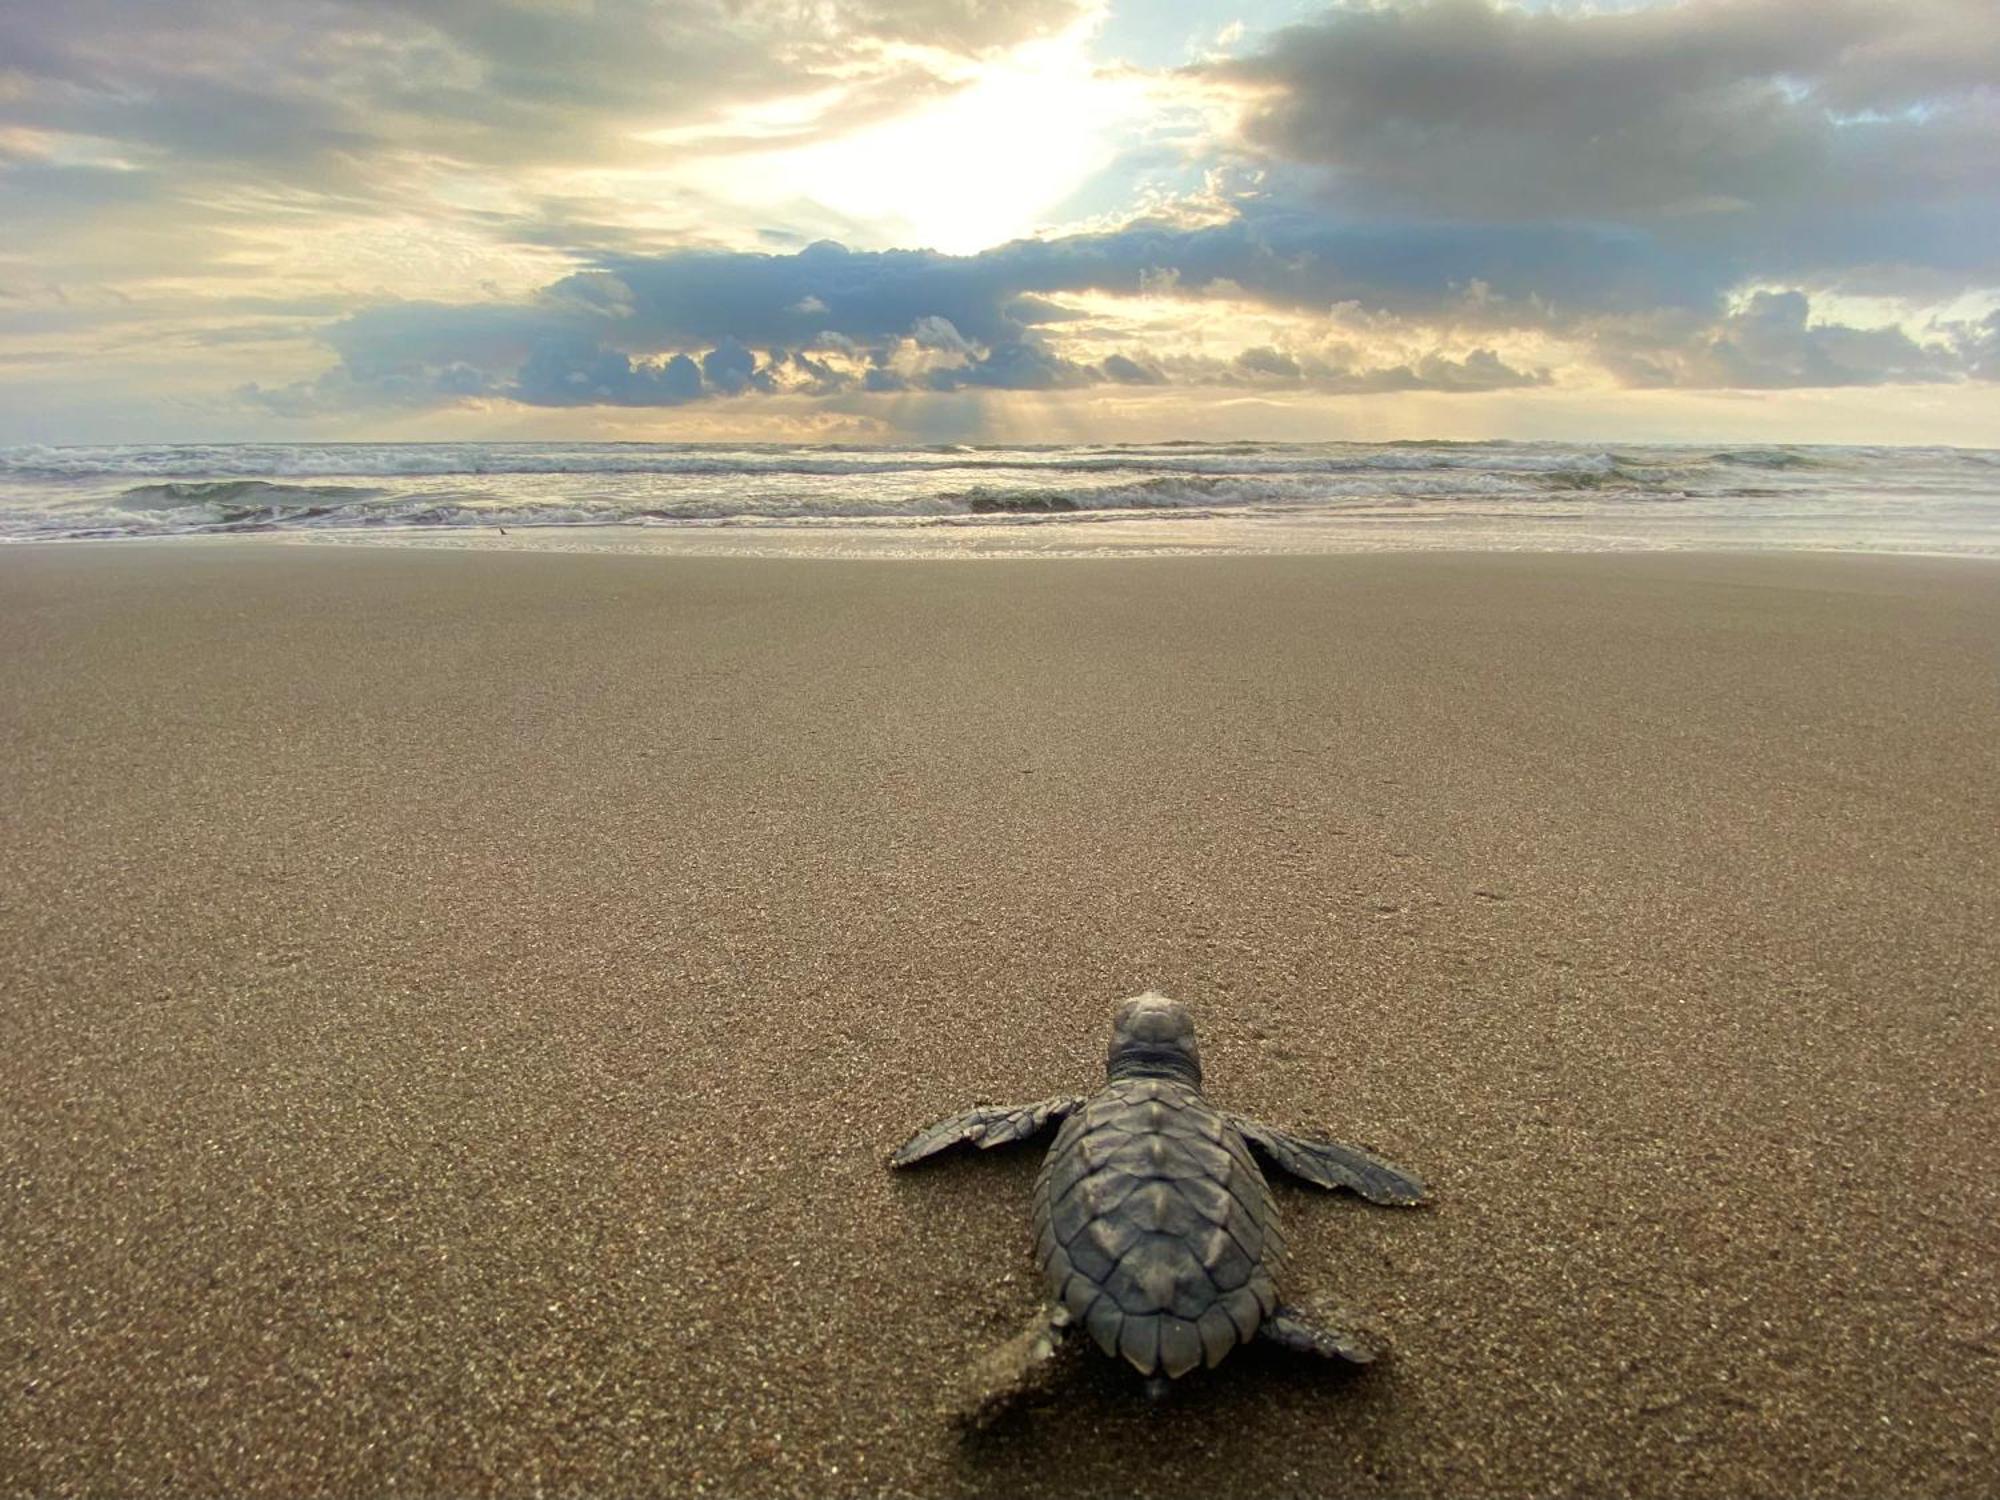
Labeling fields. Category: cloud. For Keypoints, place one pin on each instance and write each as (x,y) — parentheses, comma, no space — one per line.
(1979,348)
(557,376)
(1121,370)
(1342,369)
(825,294)
(1370,313)
(729,368)
(1481,370)
(480,200)
(1014,366)
(285,82)
(139,140)
(933,332)
(1265,360)
(1802,135)
(1770,343)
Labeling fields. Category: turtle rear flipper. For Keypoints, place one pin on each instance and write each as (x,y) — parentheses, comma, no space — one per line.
(1288,1329)
(985,1126)
(1329,1164)
(1015,1372)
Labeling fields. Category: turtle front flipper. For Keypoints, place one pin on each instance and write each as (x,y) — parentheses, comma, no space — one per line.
(1289,1330)
(1329,1164)
(985,1126)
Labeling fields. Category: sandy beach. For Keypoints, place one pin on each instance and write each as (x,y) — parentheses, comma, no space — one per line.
(454,1010)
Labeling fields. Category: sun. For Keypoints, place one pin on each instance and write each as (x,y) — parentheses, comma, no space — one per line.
(984,165)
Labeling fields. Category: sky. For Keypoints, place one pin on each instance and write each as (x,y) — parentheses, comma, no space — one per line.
(887,221)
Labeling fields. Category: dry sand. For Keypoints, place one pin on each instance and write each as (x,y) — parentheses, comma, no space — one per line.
(456,1008)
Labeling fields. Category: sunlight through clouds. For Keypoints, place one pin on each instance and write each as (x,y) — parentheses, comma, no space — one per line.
(920,215)
(983,165)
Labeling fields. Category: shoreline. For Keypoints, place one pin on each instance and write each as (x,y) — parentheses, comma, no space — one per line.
(457,1009)
(904,542)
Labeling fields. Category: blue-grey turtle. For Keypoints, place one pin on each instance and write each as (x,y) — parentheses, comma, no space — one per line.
(1154,1227)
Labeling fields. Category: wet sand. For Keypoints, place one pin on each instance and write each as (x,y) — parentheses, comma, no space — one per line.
(454,1009)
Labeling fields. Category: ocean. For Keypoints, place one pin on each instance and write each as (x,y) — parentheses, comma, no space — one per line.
(1246,497)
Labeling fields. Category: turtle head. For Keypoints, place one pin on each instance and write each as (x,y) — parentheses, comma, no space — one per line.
(1153,1037)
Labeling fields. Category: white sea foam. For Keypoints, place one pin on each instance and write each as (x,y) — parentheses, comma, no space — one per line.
(1229,496)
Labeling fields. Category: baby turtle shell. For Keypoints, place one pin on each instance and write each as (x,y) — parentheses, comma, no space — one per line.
(1155,1229)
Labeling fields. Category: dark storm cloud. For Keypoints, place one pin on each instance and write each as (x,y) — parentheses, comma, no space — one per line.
(828,296)
(668,329)
(673,328)
(1822,135)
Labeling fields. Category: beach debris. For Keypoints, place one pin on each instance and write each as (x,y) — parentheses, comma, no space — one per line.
(1154,1227)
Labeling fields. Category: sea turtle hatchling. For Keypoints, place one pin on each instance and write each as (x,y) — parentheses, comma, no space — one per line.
(1154,1228)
